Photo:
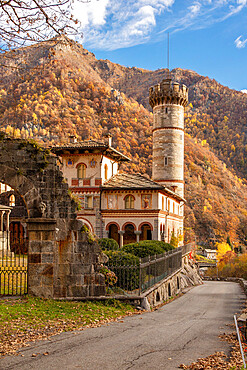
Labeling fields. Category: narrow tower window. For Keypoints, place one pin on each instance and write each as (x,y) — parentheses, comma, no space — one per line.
(166,161)
(166,110)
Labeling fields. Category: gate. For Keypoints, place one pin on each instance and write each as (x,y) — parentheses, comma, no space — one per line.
(13,264)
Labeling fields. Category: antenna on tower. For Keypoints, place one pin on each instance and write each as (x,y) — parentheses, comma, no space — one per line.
(168,57)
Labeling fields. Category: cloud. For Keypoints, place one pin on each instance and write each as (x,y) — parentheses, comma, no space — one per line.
(114,24)
(244,91)
(240,43)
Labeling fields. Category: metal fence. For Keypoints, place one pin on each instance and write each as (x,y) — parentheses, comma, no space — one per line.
(13,266)
(187,248)
(139,276)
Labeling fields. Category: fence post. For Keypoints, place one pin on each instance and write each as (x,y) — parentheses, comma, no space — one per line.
(140,277)
(148,271)
(155,257)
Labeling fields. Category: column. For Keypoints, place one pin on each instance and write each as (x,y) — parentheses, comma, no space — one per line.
(7,230)
(2,215)
(166,230)
(138,233)
(7,224)
(121,233)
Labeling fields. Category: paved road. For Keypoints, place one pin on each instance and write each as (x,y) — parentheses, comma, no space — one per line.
(179,332)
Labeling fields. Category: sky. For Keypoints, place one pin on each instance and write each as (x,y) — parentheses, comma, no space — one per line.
(206,36)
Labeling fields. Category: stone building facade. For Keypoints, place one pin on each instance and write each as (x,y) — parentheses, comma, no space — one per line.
(131,207)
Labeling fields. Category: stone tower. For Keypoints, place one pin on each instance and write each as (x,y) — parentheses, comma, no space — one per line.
(168,100)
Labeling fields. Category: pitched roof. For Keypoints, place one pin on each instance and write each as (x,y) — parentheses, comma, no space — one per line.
(136,182)
(131,181)
(90,145)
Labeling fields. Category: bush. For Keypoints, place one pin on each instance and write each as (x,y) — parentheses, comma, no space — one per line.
(126,268)
(110,277)
(108,244)
(147,248)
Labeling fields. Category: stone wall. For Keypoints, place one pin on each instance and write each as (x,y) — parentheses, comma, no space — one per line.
(185,277)
(63,260)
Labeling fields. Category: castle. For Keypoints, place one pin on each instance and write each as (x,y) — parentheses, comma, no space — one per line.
(130,207)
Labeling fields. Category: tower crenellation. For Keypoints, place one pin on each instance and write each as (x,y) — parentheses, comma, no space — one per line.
(168,100)
(168,92)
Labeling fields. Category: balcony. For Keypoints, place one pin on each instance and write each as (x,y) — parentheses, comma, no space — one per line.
(80,183)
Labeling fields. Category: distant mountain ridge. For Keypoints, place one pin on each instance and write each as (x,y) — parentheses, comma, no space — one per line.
(62,89)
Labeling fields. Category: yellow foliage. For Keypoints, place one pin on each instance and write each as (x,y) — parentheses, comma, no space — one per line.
(222,248)
(190,105)
(35,118)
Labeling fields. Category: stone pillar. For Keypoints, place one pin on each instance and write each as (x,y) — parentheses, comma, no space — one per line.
(155,231)
(121,238)
(7,230)
(2,215)
(7,223)
(42,242)
(166,231)
(138,233)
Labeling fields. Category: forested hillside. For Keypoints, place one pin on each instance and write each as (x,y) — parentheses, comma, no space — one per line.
(215,113)
(57,88)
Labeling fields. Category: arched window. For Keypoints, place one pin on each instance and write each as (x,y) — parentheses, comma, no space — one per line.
(106,171)
(12,200)
(163,203)
(81,171)
(129,202)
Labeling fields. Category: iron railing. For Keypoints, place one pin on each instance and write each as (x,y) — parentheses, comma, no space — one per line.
(187,248)
(13,265)
(136,278)
(155,268)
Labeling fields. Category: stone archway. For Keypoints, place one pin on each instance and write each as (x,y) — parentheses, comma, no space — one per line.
(62,263)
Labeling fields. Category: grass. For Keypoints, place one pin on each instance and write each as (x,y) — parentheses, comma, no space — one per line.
(27,319)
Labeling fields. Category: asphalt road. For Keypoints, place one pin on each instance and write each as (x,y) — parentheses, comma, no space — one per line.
(179,332)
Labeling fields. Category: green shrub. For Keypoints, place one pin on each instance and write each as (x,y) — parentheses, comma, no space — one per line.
(110,277)
(108,244)
(147,248)
(126,268)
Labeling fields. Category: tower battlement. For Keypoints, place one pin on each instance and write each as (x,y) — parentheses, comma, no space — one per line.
(168,92)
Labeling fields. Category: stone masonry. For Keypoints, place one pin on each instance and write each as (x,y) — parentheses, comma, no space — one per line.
(168,100)
(63,260)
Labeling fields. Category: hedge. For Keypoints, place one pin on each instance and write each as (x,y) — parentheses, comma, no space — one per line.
(147,248)
(127,277)
(108,244)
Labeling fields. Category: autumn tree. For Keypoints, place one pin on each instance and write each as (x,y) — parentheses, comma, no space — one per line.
(28,21)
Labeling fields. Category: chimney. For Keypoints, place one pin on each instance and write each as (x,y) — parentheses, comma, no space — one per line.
(109,139)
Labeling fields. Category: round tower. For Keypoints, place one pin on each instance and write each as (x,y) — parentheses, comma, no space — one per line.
(168,100)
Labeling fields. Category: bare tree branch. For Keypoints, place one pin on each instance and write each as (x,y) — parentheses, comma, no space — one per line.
(25,21)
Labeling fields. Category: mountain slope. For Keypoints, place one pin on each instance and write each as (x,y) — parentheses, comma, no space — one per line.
(215,113)
(61,89)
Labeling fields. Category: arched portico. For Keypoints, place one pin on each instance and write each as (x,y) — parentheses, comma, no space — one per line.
(146,229)
(129,235)
(113,231)
(87,223)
